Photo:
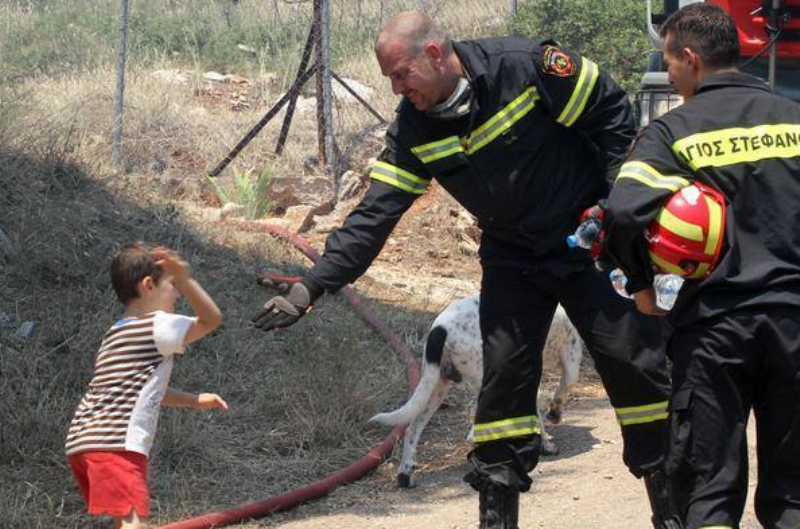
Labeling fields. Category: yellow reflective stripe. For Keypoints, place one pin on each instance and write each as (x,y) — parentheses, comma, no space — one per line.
(430,152)
(646,174)
(580,95)
(666,265)
(715,220)
(516,427)
(723,147)
(399,178)
(502,121)
(483,135)
(642,414)
(679,226)
(701,271)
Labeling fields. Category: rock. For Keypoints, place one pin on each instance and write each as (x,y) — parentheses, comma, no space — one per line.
(25,330)
(351,184)
(306,105)
(287,191)
(235,79)
(214,77)
(231,210)
(468,247)
(171,76)
(6,246)
(342,94)
(300,218)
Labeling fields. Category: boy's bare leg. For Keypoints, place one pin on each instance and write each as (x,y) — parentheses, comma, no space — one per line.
(131,521)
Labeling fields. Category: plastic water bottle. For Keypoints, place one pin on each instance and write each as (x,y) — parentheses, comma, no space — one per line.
(587,234)
(666,286)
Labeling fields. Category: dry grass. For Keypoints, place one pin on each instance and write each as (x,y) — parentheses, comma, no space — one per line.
(299,399)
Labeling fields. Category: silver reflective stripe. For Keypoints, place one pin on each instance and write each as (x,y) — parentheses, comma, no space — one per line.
(430,152)
(394,176)
(646,174)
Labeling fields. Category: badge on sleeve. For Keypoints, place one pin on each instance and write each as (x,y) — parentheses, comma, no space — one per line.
(556,62)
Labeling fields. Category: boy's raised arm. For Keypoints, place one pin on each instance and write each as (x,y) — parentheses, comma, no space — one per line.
(208,314)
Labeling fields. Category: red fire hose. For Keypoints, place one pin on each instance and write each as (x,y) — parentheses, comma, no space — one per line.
(349,474)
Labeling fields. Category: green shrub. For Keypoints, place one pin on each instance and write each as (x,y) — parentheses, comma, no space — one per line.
(249,192)
(612,33)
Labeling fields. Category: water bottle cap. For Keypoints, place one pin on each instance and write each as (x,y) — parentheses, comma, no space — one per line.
(572,241)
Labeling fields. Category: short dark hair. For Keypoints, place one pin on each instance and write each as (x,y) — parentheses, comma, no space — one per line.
(707,30)
(130,265)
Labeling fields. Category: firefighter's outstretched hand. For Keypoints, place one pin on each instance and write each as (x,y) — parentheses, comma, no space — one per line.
(283,311)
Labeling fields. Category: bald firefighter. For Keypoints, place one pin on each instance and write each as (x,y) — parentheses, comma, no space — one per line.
(525,135)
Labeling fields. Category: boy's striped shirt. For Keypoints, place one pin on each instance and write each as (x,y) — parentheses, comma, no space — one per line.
(132,369)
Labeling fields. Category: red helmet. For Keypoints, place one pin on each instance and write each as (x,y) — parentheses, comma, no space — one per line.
(686,237)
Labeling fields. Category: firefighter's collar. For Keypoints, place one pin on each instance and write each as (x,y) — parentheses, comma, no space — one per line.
(721,80)
(457,105)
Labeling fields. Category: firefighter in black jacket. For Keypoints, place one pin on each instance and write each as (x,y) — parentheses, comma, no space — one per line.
(737,338)
(526,136)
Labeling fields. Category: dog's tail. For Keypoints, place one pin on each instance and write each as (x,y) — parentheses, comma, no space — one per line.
(431,374)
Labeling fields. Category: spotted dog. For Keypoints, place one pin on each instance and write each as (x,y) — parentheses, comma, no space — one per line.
(454,353)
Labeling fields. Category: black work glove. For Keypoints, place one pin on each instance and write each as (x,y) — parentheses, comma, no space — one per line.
(283,311)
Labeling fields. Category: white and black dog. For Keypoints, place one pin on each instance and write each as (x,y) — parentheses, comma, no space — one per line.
(454,353)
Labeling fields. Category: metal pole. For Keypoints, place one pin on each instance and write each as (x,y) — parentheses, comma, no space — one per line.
(775,25)
(512,7)
(327,90)
(319,84)
(287,118)
(358,97)
(116,133)
(296,87)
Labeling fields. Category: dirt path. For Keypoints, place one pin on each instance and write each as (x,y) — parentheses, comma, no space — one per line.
(585,487)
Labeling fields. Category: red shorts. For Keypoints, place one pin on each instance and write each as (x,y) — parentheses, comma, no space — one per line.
(112,483)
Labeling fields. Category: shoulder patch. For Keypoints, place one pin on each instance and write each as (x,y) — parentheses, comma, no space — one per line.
(558,63)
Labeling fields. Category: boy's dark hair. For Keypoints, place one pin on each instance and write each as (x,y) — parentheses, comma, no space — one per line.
(133,263)
(707,30)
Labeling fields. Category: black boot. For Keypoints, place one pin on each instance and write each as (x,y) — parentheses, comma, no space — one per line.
(665,512)
(499,508)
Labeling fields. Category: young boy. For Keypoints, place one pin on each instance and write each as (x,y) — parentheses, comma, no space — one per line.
(113,428)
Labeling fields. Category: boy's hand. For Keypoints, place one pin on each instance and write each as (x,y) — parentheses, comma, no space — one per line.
(171,263)
(211,401)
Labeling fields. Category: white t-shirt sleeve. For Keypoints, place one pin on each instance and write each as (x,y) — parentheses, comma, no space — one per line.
(169,332)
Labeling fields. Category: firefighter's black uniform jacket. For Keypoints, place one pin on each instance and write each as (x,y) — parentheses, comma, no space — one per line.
(544,140)
(539,147)
(737,341)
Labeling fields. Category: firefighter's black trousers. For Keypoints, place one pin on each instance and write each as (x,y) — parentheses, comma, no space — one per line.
(722,368)
(516,309)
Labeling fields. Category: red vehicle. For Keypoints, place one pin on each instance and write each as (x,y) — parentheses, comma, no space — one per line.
(769,37)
